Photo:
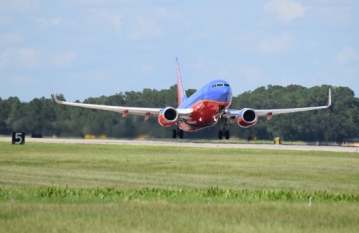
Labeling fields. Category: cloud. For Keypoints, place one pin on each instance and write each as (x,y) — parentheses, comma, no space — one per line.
(148,24)
(146,68)
(100,2)
(144,27)
(346,55)
(251,73)
(244,73)
(276,45)
(24,57)
(21,80)
(4,19)
(10,38)
(34,58)
(18,5)
(200,64)
(132,23)
(44,23)
(286,10)
(64,59)
(105,16)
(338,14)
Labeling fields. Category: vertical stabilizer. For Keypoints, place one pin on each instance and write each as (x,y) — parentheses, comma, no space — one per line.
(180,90)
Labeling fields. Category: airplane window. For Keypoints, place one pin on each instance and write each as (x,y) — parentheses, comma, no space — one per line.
(227,85)
(214,85)
(220,85)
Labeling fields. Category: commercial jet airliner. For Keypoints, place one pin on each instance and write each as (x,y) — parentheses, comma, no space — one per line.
(205,108)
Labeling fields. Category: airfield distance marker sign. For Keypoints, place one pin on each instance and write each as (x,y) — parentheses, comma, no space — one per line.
(18,138)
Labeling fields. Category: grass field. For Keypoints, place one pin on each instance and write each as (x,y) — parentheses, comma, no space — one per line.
(118,188)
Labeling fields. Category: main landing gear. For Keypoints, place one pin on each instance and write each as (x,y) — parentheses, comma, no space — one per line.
(178,132)
(223,132)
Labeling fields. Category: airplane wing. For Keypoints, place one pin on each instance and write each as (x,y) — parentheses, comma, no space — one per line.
(147,112)
(230,113)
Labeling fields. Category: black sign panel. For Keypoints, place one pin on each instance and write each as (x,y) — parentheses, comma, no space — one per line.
(18,138)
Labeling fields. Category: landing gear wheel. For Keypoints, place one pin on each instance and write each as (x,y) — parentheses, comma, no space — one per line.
(174,133)
(226,134)
(180,133)
(220,134)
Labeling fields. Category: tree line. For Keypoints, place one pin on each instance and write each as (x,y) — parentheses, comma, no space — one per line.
(338,123)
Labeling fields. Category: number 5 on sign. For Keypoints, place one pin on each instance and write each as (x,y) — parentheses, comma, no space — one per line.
(18,138)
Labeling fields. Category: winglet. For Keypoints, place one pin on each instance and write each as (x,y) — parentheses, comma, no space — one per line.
(54,96)
(329,99)
(181,94)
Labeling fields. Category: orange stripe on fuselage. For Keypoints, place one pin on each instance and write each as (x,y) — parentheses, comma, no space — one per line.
(205,114)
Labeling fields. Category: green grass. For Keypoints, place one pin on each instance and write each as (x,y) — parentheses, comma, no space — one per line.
(111,188)
(163,217)
(215,195)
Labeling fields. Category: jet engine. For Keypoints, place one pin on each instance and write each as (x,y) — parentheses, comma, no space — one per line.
(247,118)
(168,116)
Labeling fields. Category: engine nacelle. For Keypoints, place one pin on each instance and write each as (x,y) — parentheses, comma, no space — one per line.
(168,116)
(247,118)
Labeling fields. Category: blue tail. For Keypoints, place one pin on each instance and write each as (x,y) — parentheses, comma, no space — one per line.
(180,90)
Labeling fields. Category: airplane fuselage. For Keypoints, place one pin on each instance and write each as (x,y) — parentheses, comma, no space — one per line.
(208,103)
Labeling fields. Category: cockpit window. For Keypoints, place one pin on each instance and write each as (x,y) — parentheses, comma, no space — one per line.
(220,85)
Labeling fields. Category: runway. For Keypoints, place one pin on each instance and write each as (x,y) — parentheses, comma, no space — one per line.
(179,143)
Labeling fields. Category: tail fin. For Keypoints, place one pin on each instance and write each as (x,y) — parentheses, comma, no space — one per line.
(180,90)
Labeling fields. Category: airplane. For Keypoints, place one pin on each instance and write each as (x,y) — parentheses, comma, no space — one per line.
(204,108)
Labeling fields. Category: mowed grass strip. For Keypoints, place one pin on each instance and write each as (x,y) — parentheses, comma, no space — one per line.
(116,188)
(167,217)
(136,167)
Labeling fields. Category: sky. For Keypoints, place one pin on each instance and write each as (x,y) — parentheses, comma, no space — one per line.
(90,48)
